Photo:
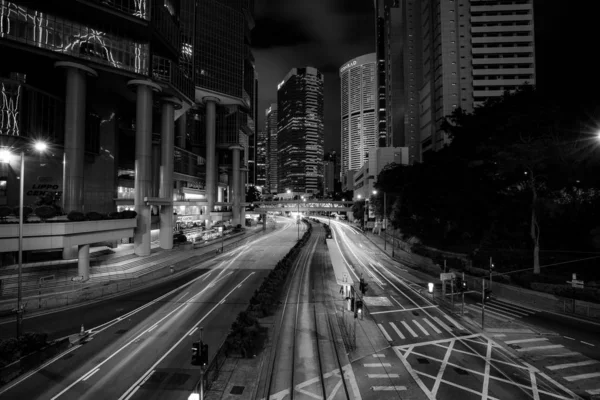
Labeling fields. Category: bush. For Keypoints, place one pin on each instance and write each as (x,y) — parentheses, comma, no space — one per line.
(128,214)
(76,216)
(5,211)
(115,215)
(27,211)
(94,216)
(45,212)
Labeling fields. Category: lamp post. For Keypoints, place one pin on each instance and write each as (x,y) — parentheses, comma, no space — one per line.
(40,147)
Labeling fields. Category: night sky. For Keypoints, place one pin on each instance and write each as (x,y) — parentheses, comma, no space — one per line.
(327,33)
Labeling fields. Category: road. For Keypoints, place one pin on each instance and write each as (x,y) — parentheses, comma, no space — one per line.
(430,349)
(146,352)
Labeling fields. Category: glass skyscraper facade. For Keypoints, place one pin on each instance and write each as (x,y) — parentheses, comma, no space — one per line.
(272,157)
(300,132)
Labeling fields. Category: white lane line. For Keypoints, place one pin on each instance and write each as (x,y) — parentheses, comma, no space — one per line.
(384,388)
(420,327)
(499,335)
(391,297)
(193,330)
(379,355)
(435,328)
(387,337)
(374,376)
(534,387)
(567,337)
(535,348)
(567,354)
(486,377)
(573,378)
(147,377)
(132,393)
(394,327)
(453,322)
(575,364)
(589,344)
(442,324)
(525,340)
(376,365)
(184,337)
(86,376)
(152,327)
(35,371)
(409,329)
(181,297)
(593,391)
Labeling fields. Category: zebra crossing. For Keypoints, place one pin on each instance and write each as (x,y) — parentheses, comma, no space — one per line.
(408,329)
(502,310)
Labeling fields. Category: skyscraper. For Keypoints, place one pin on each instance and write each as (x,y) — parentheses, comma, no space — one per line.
(382,29)
(300,131)
(261,159)
(272,157)
(359,110)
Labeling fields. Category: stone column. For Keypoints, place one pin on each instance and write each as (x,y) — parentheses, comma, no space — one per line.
(243,177)
(166,170)
(143,144)
(74,147)
(155,168)
(211,159)
(235,186)
(83,263)
(182,131)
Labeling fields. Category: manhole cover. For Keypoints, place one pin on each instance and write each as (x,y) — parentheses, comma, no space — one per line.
(461,371)
(68,356)
(423,361)
(121,331)
(237,390)
(415,313)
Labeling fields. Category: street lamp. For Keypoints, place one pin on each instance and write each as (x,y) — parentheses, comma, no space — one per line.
(5,156)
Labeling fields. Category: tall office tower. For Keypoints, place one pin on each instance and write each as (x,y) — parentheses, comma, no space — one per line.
(446,67)
(359,110)
(253,145)
(224,87)
(382,30)
(328,178)
(300,131)
(261,159)
(272,157)
(502,47)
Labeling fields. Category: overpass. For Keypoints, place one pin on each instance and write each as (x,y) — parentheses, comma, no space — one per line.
(262,207)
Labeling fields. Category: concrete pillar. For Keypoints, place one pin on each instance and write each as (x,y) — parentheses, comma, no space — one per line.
(211,159)
(74,147)
(143,180)
(264,219)
(235,186)
(182,131)
(166,170)
(155,169)
(83,264)
(243,177)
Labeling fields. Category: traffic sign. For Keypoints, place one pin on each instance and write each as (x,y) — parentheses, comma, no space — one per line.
(446,276)
(576,284)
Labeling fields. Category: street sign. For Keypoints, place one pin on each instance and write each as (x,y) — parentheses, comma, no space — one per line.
(576,284)
(446,276)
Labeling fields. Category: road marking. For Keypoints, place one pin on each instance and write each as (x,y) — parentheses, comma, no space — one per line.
(383,388)
(409,329)
(413,373)
(420,327)
(181,297)
(152,327)
(383,376)
(132,393)
(573,378)
(442,324)
(534,387)
(397,302)
(593,391)
(535,348)
(525,340)
(435,328)
(486,377)
(589,344)
(440,374)
(86,376)
(508,309)
(184,337)
(389,339)
(570,365)
(567,337)
(406,309)
(452,321)
(568,354)
(376,365)
(499,335)
(379,355)
(193,330)
(397,330)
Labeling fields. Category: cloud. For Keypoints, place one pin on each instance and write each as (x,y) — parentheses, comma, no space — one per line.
(277,32)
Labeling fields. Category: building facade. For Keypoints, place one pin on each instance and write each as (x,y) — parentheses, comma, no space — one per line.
(261,159)
(364,179)
(359,91)
(300,132)
(272,156)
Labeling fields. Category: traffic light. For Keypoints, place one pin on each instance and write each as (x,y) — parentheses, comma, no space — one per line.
(352,304)
(487,295)
(196,353)
(359,306)
(363,286)
(463,286)
(203,354)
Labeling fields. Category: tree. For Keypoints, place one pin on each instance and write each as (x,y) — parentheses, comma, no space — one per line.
(358,210)
(253,194)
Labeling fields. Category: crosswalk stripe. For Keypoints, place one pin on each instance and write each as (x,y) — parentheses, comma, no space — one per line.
(394,327)
(575,364)
(379,355)
(498,313)
(375,365)
(508,309)
(552,346)
(435,328)
(442,324)
(389,339)
(420,327)
(582,376)
(459,326)
(525,340)
(593,391)
(514,306)
(381,388)
(408,328)
(374,376)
